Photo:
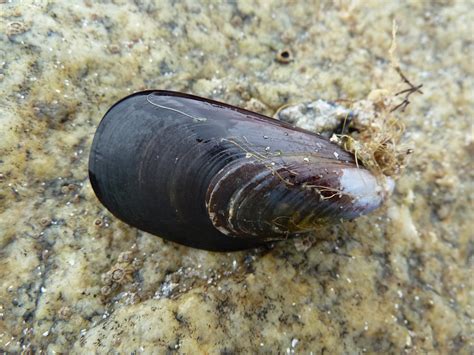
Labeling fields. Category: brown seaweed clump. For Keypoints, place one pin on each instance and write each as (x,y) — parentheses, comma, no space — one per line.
(377,132)
(376,135)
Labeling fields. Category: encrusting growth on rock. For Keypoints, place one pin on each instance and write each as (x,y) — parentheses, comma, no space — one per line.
(376,132)
(120,274)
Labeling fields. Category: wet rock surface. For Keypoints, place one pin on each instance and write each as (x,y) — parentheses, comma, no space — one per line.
(75,279)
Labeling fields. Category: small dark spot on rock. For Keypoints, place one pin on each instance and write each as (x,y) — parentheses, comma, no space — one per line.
(28,316)
(284,56)
(54,112)
(164,67)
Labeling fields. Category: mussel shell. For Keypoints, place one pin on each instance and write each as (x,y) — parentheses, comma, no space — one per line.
(212,176)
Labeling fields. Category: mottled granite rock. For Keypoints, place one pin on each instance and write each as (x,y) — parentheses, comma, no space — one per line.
(73,278)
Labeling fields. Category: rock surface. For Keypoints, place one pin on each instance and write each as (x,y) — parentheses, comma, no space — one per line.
(75,279)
